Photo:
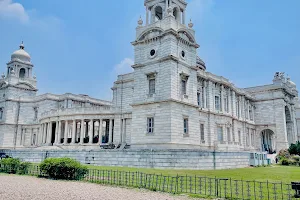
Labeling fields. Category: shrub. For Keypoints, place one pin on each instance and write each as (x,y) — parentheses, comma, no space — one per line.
(283,153)
(63,168)
(295,148)
(10,165)
(23,168)
(284,161)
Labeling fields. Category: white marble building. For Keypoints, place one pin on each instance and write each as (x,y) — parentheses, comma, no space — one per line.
(170,101)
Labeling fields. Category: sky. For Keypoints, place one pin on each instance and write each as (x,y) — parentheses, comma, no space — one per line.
(80,46)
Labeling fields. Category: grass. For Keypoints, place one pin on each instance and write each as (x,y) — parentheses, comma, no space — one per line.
(202,183)
(274,173)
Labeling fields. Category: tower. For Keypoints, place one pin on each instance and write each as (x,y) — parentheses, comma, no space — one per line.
(165,73)
(19,81)
(16,88)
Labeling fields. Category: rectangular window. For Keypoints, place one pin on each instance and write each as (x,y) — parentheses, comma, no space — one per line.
(150,124)
(186,126)
(228,134)
(1,113)
(233,136)
(183,87)
(240,137)
(217,103)
(202,132)
(226,103)
(151,86)
(199,99)
(251,113)
(220,134)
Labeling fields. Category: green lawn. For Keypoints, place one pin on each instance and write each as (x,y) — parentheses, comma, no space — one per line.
(275,173)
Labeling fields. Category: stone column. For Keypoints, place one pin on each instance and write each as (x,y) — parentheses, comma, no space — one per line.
(56,133)
(44,132)
(41,133)
(222,99)
(91,132)
(233,104)
(183,17)
(248,110)
(49,133)
(73,131)
(37,137)
(166,10)
(229,99)
(59,132)
(31,137)
(124,131)
(100,131)
(110,132)
(210,96)
(204,94)
(81,131)
(253,113)
(66,132)
(241,106)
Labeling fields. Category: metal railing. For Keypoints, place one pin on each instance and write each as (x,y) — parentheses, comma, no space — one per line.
(196,186)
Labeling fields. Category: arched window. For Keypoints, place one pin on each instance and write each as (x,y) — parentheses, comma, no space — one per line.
(158,13)
(175,13)
(22,73)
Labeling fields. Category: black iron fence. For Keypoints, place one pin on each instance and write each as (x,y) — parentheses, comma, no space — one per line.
(196,186)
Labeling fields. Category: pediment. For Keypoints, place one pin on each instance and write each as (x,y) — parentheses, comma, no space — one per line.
(186,36)
(150,33)
(25,86)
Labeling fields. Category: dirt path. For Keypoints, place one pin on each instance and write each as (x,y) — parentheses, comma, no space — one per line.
(31,188)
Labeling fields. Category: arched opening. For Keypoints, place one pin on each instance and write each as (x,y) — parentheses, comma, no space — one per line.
(267,136)
(175,13)
(96,133)
(289,126)
(158,13)
(34,140)
(22,73)
(1,113)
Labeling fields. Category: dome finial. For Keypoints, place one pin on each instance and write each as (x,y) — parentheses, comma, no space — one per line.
(22,45)
(140,22)
(191,24)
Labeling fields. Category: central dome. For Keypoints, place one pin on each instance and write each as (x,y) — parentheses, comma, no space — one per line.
(21,54)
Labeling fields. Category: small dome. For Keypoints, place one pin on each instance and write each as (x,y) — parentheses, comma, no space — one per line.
(21,54)
(291,82)
(200,63)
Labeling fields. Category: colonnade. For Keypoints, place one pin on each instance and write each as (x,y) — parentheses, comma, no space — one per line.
(77,131)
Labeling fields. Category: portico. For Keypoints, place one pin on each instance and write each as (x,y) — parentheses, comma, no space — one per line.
(77,131)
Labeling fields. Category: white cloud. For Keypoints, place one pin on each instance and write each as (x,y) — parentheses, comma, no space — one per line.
(124,66)
(8,9)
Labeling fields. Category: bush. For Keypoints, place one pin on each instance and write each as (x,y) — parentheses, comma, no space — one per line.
(23,168)
(295,148)
(283,153)
(10,165)
(63,168)
(284,161)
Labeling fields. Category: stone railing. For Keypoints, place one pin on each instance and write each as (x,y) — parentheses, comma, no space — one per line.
(77,111)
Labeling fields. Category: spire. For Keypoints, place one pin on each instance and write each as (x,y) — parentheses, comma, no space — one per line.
(22,45)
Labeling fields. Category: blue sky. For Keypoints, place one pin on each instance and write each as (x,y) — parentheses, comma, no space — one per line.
(80,46)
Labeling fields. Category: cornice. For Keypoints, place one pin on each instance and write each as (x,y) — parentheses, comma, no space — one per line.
(162,59)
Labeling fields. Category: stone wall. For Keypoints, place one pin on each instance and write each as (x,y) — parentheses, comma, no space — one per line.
(164,159)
